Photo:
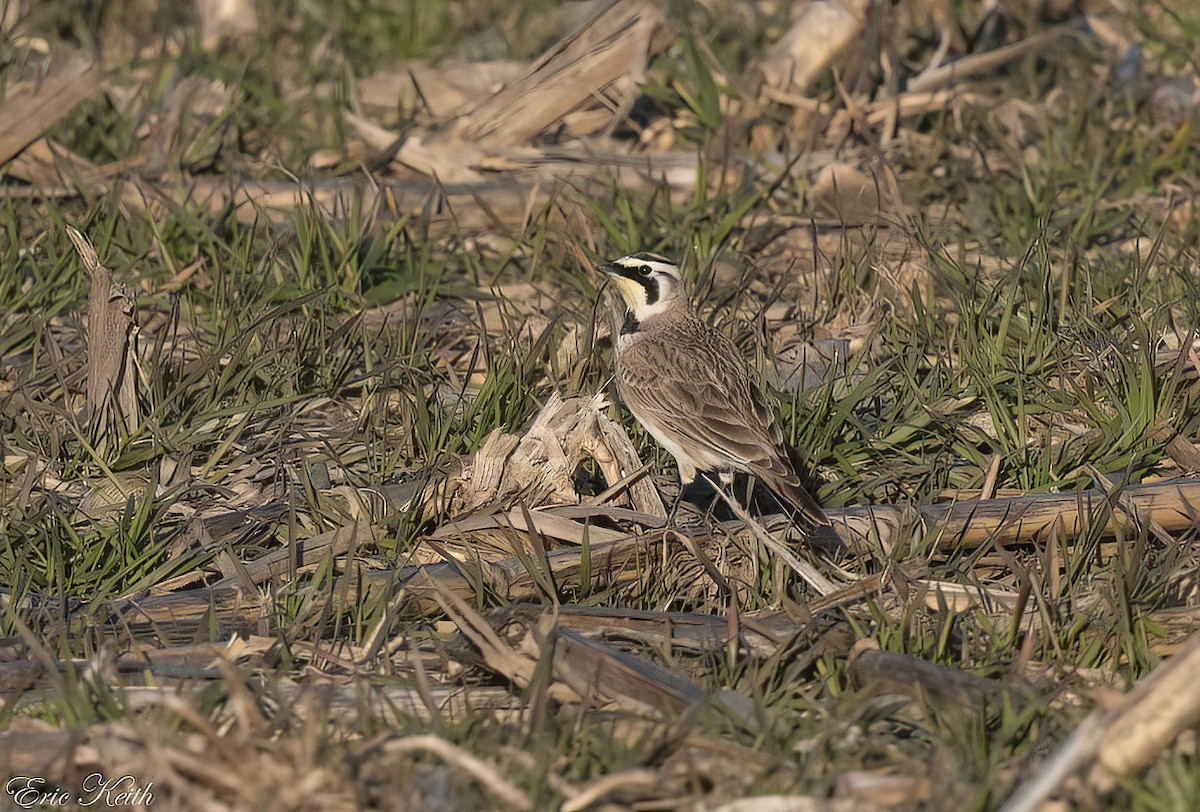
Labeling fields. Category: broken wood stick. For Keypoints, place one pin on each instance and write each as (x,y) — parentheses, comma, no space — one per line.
(224,609)
(968,66)
(598,671)
(759,635)
(330,544)
(586,670)
(1159,708)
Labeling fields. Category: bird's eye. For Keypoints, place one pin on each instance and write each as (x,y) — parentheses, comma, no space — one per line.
(645,270)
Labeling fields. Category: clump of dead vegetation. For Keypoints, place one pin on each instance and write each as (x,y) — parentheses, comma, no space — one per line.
(311,496)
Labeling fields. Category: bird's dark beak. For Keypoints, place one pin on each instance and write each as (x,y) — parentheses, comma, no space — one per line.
(609,268)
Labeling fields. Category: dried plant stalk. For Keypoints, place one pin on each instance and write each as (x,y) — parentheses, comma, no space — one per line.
(600,672)
(112,323)
(1172,504)
(614,44)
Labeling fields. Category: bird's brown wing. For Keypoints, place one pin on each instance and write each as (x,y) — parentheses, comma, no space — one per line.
(699,392)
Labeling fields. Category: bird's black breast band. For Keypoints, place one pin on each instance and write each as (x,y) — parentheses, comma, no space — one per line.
(631,325)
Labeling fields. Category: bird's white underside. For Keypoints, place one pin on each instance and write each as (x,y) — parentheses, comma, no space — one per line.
(689,464)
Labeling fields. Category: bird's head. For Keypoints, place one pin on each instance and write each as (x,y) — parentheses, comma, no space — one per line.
(646,283)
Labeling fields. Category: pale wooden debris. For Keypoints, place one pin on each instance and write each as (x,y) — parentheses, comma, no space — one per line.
(616,42)
(590,671)
(306,552)
(596,670)
(515,665)
(1127,504)
(505,201)
(462,207)
(880,790)
(969,66)
(758,636)
(600,787)
(221,19)
(908,105)
(781,803)
(58,172)
(48,166)
(107,497)
(820,33)
(959,598)
(540,465)
(847,194)
(27,114)
(447,163)
(542,521)
(441,91)
(1174,505)
(600,673)
(1159,708)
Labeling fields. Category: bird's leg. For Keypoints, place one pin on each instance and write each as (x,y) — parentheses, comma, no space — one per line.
(688,492)
(726,480)
(687,478)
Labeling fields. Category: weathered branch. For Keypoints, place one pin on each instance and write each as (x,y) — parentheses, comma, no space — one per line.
(1174,505)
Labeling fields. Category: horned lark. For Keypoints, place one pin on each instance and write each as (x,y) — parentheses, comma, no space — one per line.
(688,385)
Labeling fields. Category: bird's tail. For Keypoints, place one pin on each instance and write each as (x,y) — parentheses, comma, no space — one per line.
(808,511)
